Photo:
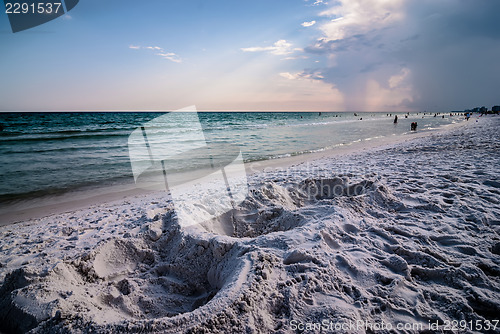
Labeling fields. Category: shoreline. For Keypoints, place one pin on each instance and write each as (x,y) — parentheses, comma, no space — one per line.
(52,205)
(343,150)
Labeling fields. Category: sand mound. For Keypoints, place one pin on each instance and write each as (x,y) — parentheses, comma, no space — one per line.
(268,208)
(277,208)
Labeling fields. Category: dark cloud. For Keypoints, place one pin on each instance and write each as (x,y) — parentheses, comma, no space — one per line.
(455,61)
(451,49)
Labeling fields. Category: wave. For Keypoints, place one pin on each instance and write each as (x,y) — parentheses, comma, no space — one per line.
(20,139)
(61,149)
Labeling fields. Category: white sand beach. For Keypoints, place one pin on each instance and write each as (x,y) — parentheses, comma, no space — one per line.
(392,237)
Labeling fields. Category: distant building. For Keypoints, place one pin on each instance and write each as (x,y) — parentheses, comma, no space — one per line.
(495,109)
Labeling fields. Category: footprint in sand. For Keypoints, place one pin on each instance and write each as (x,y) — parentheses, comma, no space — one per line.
(349,228)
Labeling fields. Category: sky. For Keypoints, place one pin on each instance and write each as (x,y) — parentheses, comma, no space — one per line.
(316,55)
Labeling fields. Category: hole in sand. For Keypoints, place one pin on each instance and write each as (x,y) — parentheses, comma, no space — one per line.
(177,274)
(270,208)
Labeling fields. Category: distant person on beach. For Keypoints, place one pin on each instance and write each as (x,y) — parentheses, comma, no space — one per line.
(396,119)
(413,126)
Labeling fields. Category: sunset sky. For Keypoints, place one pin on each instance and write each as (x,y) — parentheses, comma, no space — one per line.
(347,55)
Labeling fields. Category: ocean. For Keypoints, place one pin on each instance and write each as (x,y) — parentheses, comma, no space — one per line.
(46,154)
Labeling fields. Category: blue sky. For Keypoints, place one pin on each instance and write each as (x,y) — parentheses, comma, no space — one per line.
(255,55)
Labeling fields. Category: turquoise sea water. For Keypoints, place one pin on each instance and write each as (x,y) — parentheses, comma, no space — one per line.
(53,153)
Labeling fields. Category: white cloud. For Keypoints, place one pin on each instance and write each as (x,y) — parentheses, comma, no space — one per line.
(289,76)
(353,17)
(170,56)
(159,52)
(308,24)
(296,57)
(302,75)
(318,2)
(398,79)
(281,47)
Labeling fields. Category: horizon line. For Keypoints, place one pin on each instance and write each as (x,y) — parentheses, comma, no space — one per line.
(225,110)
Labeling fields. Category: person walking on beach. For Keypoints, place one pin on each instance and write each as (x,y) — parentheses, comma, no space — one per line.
(396,119)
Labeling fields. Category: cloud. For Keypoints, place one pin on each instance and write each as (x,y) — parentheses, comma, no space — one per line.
(308,24)
(281,47)
(396,80)
(288,75)
(170,56)
(360,17)
(159,52)
(317,2)
(423,55)
(296,57)
(302,75)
